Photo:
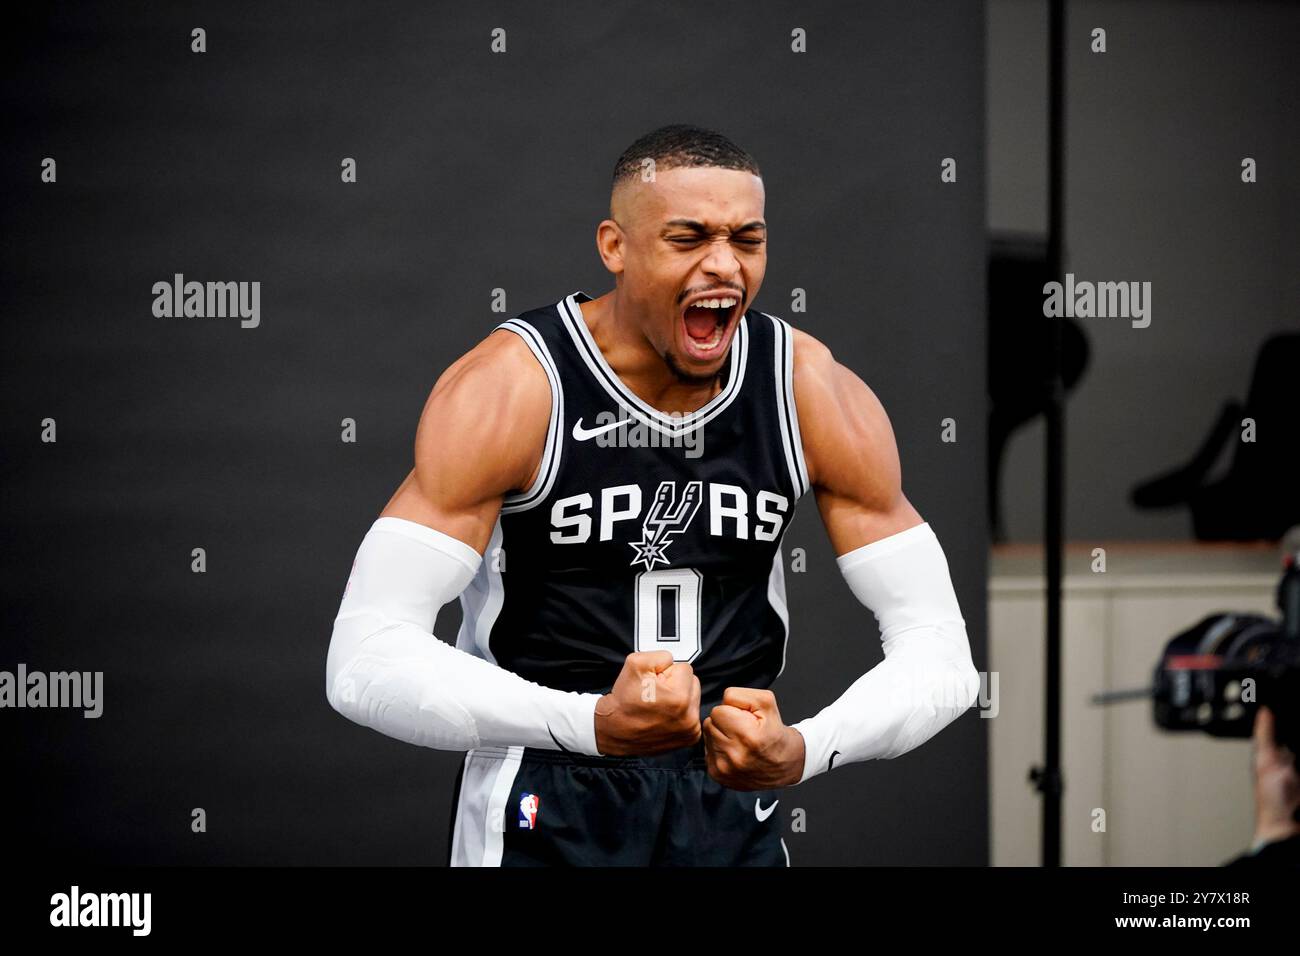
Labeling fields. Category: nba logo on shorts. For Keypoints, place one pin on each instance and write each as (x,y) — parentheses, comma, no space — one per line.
(528,811)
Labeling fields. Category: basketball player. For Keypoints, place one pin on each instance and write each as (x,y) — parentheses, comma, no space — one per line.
(605,483)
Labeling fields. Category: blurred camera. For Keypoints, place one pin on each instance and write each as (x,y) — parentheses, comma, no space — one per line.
(1213,676)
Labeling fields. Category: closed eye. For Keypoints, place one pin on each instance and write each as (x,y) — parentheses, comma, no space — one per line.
(693,241)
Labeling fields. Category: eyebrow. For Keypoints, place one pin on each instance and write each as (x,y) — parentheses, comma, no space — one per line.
(700,227)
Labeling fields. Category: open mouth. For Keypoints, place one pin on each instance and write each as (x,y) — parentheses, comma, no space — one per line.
(706,321)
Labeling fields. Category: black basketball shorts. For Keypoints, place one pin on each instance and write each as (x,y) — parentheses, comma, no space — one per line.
(519,806)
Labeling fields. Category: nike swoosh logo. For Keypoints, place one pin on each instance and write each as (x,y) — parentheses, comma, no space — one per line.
(582,434)
(557,740)
(831,766)
(760,812)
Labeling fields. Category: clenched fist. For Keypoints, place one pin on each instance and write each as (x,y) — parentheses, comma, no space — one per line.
(747,745)
(654,706)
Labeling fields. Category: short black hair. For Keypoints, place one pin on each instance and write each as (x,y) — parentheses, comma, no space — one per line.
(680,145)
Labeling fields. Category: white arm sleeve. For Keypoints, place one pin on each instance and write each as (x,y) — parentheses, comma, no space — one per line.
(927,677)
(386,670)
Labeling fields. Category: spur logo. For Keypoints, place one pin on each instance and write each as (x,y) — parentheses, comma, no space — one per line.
(667,517)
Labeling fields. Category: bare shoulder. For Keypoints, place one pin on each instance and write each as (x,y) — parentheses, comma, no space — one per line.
(848,441)
(480,436)
(486,417)
(493,386)
(814,365)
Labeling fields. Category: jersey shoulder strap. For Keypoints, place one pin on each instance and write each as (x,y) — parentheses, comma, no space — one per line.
(780,339)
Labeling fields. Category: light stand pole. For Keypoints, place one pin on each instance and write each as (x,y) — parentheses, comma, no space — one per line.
(1047,778)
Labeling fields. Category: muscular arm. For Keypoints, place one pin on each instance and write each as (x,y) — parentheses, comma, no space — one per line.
(894,565)
(480,437)
(849,450)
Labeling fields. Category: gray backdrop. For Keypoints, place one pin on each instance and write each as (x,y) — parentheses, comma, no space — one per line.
(476,171)
(1156,130)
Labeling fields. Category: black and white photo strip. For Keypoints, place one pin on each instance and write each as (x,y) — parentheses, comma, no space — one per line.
(823,448)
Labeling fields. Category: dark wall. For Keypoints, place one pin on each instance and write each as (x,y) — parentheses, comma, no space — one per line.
(476,171)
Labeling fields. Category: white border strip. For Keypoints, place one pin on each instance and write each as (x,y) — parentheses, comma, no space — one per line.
(550,465)
(485,787)
(788,412)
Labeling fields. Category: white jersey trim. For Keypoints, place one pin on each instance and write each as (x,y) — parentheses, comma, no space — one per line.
(776,598)
(481,809)
(550,466)
(481,602)
(791,441)
(643,412)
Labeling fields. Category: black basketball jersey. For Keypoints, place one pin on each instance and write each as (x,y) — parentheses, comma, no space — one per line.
(645,530)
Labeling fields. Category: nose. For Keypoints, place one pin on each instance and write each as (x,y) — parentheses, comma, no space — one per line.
(721,260)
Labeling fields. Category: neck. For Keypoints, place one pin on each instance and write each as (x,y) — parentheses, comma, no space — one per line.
(616,330)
